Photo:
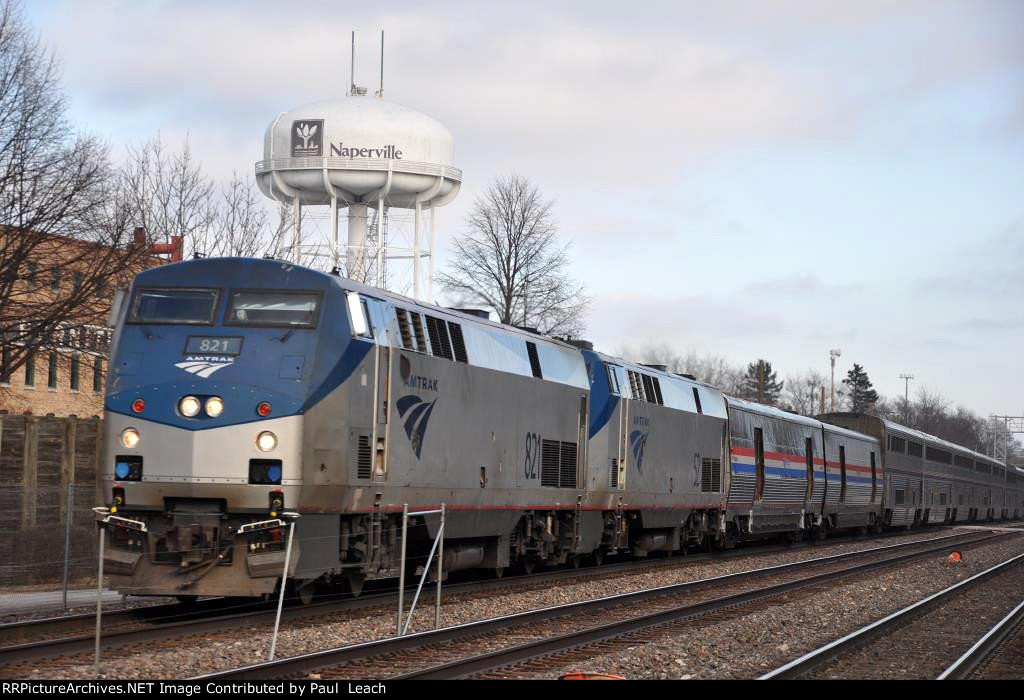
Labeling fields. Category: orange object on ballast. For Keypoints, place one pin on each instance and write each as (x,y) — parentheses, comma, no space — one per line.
(585,676)
(955,557)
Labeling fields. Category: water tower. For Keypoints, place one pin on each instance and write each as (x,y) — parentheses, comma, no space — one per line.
(367,155)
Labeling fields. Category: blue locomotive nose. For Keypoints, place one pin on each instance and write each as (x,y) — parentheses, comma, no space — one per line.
(225,342)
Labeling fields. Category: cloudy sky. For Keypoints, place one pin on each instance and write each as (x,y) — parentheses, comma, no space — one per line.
(750,179)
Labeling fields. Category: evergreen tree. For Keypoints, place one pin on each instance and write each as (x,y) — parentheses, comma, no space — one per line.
(862,396)
(761,383)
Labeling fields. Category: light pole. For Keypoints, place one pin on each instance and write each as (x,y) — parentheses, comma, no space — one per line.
(833,354)
(906,396)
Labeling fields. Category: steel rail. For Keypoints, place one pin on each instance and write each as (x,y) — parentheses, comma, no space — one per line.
(986,647)
(304,663)
(838,647)
(172,618)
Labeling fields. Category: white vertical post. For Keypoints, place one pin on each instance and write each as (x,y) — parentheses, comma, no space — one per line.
(416,256)
(440,565)
(284,580)
(99,597)
(380,241)
(334,229)
(433,235)
(401,565)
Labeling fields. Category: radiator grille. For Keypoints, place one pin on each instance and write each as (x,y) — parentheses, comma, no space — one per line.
(710,474)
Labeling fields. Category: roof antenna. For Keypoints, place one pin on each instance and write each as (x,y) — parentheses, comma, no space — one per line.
(380,93)
(354,90)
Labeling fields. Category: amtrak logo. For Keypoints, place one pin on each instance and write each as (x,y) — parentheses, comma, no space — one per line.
(202,367)
(638,439)
(416,413)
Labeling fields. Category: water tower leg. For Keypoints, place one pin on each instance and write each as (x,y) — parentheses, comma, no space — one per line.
(334,229)
(416,256)
(357,242)
(296,227)
(430,270)
(380,242)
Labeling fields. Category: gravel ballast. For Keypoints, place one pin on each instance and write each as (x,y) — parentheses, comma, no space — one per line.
(737,648)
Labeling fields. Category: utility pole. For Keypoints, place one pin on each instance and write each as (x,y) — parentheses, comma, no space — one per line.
(833,354)
(906,396)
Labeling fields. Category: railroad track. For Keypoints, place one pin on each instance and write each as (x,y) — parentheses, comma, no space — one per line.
(553,636)
(998,655)
(67,636)
(921,639)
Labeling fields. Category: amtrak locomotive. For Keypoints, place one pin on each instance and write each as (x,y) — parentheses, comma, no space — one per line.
(243,388)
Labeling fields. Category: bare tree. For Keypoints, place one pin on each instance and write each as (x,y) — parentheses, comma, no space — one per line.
(240,225)
(803,392)
(63,238)
(709,368)
(169,195)
(510,260)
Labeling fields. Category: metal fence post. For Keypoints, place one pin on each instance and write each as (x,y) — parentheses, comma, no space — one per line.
(440,570)
(99,596)
(67,541)
(284,580)
(401,566)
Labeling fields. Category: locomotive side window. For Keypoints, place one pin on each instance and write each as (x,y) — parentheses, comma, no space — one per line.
(915,449)
(277,308)
(613,379)
(194,306)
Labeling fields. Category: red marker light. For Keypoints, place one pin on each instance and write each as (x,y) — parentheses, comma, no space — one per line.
(263,409)
(138,405)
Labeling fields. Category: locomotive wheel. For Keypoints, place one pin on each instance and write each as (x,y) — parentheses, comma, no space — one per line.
(305,592)
(577,560)
(529,565)
(355,583)
(597,557)
(499,572)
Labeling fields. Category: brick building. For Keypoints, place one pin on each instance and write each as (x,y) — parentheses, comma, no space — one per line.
(65,375)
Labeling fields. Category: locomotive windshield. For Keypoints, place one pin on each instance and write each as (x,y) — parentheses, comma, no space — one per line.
(174,306)
(293,309)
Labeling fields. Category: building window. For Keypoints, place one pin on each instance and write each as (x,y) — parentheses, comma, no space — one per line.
(55,280)
(30,370)
(78,281)
(97,375)
(75,362)
(5,364)
(51,372)
(30,277)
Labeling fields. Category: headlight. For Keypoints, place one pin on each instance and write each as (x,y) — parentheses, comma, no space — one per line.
(130,438)
(266,441)
(189,406)
(214,406)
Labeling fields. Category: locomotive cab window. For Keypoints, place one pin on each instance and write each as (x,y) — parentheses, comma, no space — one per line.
(276,308)
(194,306)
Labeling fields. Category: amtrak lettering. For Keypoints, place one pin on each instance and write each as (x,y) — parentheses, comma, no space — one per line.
(425,383)
(389,152)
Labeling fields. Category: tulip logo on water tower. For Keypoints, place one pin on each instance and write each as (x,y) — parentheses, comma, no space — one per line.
(307,137)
